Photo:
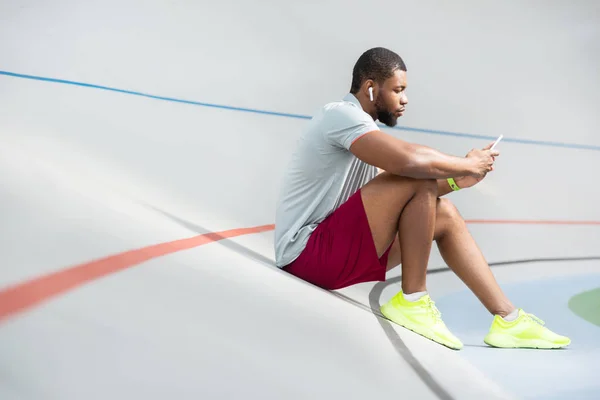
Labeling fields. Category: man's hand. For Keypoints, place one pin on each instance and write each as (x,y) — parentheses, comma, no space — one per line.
(463,182)
(485,163)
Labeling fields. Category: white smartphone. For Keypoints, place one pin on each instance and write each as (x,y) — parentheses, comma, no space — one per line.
(497,141)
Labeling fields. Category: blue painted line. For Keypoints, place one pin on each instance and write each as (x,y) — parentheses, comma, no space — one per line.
(297,116)
(195,103)
(505,139)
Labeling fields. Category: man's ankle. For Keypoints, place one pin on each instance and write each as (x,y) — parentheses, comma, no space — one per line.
(412,297)
(508,314)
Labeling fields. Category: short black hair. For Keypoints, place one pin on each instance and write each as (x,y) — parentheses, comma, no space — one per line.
(378,64)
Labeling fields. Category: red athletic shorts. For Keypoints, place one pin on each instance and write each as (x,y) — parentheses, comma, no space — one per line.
(341,252)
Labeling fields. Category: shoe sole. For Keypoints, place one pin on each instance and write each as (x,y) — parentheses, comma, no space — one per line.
(397,318)
(510,342)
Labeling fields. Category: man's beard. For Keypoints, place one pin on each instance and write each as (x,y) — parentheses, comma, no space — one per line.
(387,118)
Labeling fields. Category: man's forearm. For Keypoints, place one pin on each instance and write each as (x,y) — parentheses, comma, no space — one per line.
(411,160)
(427,163)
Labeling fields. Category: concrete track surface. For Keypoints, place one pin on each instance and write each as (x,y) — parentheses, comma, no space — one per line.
(141,150)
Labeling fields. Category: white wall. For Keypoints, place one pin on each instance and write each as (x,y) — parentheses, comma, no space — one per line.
(525,70)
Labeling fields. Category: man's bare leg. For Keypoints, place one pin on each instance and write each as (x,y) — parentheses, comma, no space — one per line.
(404,207)
(461,253)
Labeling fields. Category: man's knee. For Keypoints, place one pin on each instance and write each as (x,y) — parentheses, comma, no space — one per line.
(427,185)
(446,209)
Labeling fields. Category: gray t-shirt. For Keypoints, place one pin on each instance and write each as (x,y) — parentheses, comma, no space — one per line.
(322,174)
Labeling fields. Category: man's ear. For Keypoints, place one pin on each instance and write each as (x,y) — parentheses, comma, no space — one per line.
(371,89)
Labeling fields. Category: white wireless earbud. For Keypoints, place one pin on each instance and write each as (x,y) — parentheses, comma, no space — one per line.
(371,93)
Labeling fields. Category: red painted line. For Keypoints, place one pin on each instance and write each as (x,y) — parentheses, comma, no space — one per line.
(22,296)
(25,295)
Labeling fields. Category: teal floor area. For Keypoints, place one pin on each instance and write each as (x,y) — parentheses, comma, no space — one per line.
(570,373)
(587,305)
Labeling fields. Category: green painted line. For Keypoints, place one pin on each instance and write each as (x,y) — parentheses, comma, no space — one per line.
(587,305)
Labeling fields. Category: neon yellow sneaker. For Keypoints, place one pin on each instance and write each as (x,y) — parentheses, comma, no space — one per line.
(527,331)
(422,317)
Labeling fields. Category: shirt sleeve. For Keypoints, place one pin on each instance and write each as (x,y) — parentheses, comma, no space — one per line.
(346,124)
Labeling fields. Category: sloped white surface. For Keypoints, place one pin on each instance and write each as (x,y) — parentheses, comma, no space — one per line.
(86,173)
